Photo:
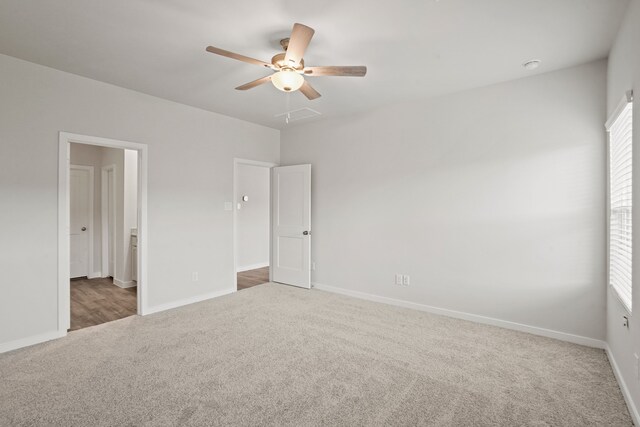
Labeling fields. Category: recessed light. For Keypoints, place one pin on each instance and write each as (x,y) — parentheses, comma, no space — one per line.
(532,64)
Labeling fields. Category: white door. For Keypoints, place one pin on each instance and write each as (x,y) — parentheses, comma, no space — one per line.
(79,190)
(291,238)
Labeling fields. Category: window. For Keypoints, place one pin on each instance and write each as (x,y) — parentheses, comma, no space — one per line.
(620,200)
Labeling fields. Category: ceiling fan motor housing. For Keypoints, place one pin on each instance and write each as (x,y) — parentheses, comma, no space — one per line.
(279,62)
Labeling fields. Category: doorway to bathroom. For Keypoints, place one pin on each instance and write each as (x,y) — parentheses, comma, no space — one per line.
(103,213)
(102,222)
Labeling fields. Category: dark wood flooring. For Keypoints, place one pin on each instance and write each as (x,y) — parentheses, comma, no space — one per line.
(96,301)
(250,278)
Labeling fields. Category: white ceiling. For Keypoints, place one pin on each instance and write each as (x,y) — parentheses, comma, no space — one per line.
(412,48)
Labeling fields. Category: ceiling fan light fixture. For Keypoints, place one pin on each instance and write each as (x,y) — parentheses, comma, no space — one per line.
(287,80)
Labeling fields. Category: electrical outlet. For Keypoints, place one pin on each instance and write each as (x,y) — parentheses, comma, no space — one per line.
(313,266)
(194,276)
(399,279)
(406,280)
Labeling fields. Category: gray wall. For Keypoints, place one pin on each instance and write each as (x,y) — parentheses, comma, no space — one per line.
(253,226)
(191,154)
(492,200)
(624,74)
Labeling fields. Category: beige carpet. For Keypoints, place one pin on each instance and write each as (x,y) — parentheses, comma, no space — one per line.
(276,355)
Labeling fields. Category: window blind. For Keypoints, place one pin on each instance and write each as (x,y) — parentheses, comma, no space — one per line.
(620,203)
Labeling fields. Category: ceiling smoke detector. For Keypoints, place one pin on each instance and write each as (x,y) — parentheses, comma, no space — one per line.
(532,64)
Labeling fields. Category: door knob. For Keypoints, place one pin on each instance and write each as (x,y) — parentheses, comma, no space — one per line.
(84,229)
(305,233)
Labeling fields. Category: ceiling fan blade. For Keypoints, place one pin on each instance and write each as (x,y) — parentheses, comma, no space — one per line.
(298,42)
(254,83)
(352,71)
(239,57)
(309,91)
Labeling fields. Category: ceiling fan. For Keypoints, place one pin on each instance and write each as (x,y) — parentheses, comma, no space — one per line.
(289,66)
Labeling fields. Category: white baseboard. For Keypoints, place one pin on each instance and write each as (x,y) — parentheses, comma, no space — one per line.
(94,275)
(36,339)
(28,341)
(128,284)
(623,387)
(252,267)
(563,336)
(186,301)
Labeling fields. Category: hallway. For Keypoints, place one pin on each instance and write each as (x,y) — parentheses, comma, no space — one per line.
(250,278)
(96,301)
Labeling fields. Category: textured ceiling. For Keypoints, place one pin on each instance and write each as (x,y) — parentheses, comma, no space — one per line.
(413,48)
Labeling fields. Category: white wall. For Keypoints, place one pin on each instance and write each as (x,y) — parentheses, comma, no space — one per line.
(253,217)
(116,157)
(492,200)
(191,154)
(130,211)
(623,75)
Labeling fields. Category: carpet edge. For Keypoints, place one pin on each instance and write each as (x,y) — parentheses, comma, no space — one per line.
(186,301)
(506,324)
(30,340)
(633,410)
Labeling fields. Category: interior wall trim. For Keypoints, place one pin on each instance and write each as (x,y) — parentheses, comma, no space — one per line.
(535,330)
(124,284)
(633,410)
(29,341)
(187,301)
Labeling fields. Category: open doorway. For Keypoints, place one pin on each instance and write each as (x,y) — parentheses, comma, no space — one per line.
(252,220)
(103,215)
(102,230)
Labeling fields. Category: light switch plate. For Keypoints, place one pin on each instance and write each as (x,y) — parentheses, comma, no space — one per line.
(228,206)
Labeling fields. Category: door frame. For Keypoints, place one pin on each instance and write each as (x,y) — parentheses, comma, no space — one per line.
(236,163)
(107,203)
(64,288)
(90,273)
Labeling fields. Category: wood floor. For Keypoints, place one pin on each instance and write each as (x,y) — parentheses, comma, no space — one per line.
(250,278)
(96,301)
